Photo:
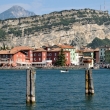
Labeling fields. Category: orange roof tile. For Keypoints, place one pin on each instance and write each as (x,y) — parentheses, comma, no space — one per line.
(22,48)
(4,51)
(8,51)
(15,50)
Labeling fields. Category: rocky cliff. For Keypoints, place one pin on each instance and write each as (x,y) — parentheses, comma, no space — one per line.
(76,27)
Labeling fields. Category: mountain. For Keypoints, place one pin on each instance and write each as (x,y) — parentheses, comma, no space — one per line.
(15,12)
(75,27)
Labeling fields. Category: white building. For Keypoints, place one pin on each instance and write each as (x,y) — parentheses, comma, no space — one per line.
(77,57)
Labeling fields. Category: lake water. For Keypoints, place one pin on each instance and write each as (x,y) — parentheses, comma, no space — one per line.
(55,90)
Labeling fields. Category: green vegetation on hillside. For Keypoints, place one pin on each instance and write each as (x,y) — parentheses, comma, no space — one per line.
(62,20)
(2,34)
(15,32)
(98,42)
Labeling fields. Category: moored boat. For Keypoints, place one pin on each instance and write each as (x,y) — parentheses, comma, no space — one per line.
(63,71)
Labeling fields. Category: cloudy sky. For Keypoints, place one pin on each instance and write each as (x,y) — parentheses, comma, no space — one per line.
(40,7)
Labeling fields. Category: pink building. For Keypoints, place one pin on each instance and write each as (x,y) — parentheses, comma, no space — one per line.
(17,56)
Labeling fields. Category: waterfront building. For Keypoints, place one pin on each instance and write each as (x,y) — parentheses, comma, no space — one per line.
(26,56)
(78,57)
(8,57)
(107,56)
(96,56)
(53,53)
(102,50)
(39,57)
(88,53)
(72,51)
(18,56)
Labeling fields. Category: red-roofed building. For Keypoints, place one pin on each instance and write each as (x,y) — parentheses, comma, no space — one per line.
(26,50)
(16,56)
(71,53)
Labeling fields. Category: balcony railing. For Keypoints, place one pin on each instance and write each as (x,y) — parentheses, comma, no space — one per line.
(6,62)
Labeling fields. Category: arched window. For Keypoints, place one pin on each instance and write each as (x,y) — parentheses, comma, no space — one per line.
(34,59)
(55,59)
(39,54)
(34,54)
(50,54)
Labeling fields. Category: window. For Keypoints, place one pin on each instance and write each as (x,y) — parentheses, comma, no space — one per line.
(6,56)
(49,54)
(55,54)
(39,59)
(26,53)
(3,56)
(34,54)
(49,58)
(54,58)
(34,59)
(39,54)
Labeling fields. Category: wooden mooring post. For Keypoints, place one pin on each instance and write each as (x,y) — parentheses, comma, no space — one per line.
(30,85)
(89,88)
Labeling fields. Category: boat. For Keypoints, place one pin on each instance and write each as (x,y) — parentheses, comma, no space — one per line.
(64,71)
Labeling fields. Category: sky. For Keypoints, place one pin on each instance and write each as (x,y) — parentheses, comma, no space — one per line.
(40,7)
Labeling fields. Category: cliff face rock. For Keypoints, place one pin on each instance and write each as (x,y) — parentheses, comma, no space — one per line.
(76,27)
(77,35)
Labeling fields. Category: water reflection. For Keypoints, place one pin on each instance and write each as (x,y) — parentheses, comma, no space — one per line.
(89,101)
(30,106)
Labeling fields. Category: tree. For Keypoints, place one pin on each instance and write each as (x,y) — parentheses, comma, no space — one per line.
(61,59)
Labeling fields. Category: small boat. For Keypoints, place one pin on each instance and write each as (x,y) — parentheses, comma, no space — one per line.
(64,71)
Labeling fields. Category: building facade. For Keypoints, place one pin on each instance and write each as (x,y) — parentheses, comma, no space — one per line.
(72,51)
(102,50)
(107,56)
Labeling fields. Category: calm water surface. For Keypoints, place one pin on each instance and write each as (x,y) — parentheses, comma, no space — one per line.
(55,90)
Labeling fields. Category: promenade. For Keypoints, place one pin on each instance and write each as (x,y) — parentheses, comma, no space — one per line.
(46,67)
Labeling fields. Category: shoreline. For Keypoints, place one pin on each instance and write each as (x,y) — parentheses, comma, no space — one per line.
(24,68)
